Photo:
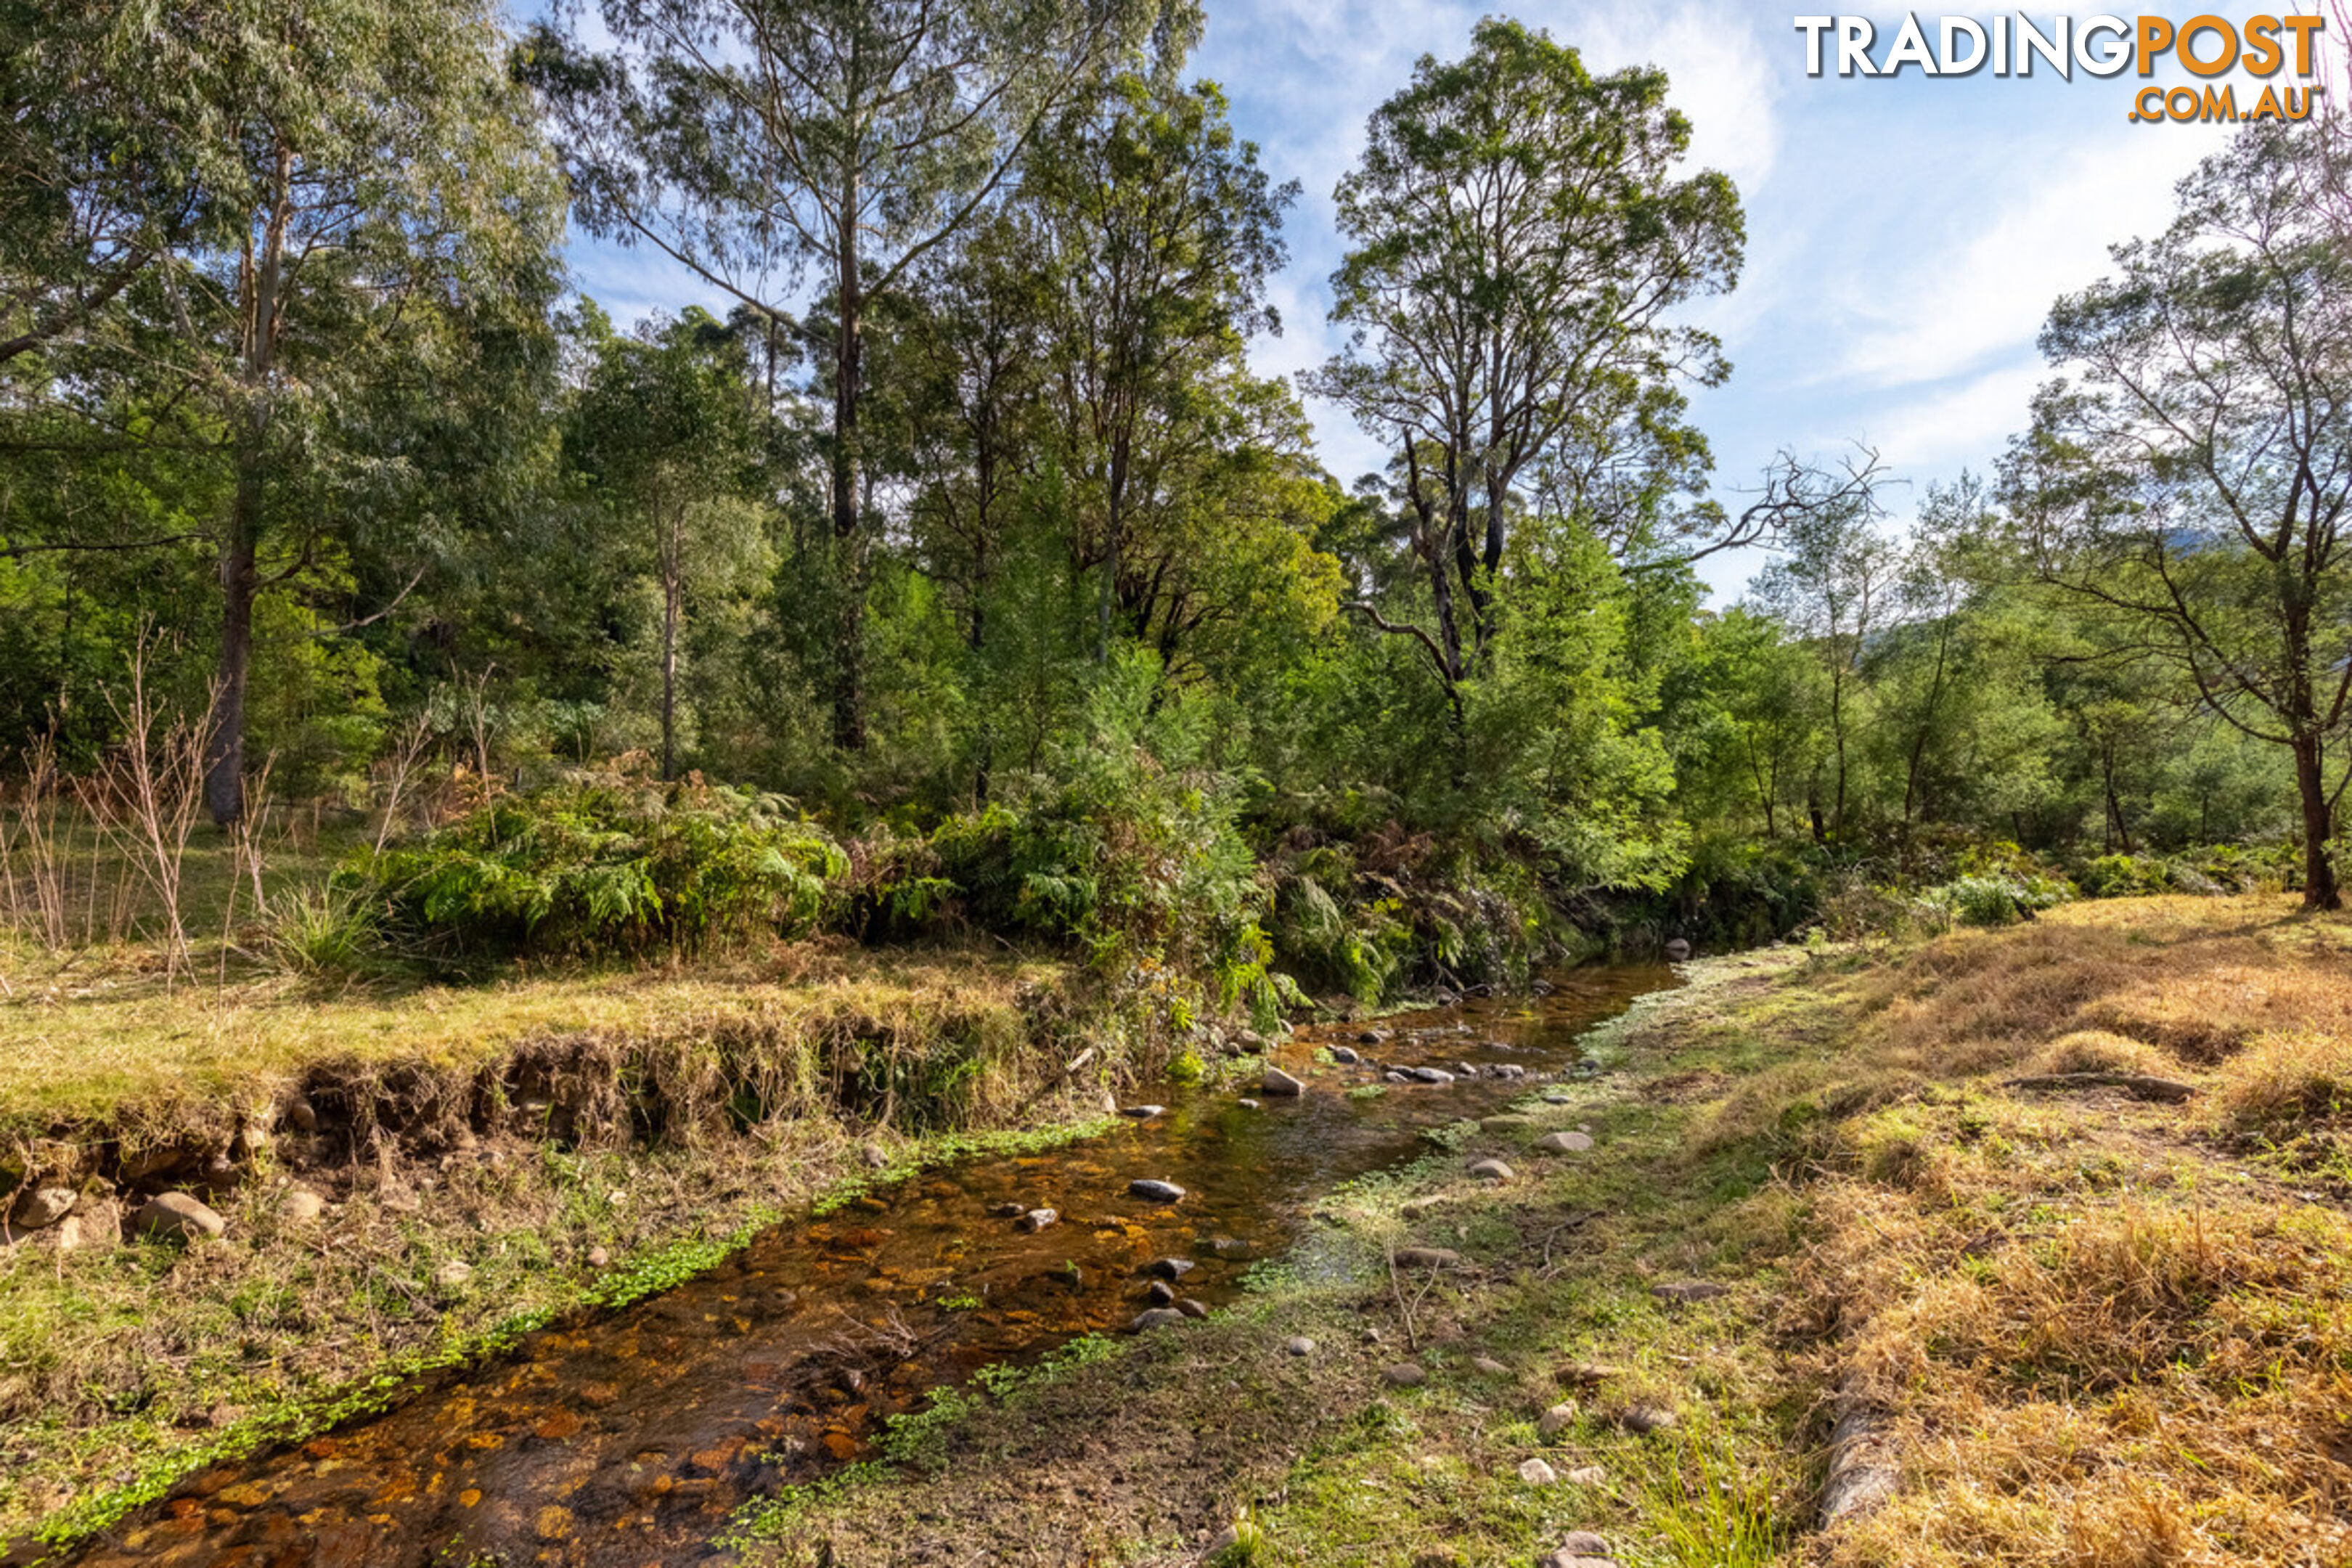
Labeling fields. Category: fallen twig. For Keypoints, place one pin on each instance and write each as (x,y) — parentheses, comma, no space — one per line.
(2139,1086)
(1861,1477)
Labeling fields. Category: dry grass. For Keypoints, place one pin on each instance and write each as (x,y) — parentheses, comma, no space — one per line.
(85,1037)
(2107,1333)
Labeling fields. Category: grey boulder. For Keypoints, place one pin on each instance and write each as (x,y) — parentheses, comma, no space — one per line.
(176,1217)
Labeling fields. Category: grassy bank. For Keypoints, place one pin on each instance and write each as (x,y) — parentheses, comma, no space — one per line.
(2076,1319)
(409,1171)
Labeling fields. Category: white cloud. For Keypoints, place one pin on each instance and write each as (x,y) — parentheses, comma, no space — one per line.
(1966,423)
(1957,308)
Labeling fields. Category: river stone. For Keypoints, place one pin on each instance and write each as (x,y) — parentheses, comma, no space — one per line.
(1156,1318)
(1007,1210)
(1690,1290)
(1564,1143)
(1299,1344)
(301,1206)
(1372,1038)
(1491,1170)
(176,1217)
(94,1223)
(1536,1473)
(1169,1267)
(1345,1055)
(1192,1308)
(1556,1420)
(1431,1075)
(1427,1257)
(41,1208)
(1161,1293)
(1036,1220)
(1142,1112)
(1280,1082)
(1677,951)
(1405,1374)
(1393,1076)
(452,1275)
(1229,1247)
(1156,1191)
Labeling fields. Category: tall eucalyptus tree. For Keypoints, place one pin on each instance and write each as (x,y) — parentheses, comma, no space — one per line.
(2191,477)
(264,223)
(750,139)
(1524,243)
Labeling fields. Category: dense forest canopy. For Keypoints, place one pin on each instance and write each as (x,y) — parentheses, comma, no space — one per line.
(970,531)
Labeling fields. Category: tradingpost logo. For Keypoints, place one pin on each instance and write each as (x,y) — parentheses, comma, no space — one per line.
(2215,50)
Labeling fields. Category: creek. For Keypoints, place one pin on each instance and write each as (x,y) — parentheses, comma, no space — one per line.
(630,1436)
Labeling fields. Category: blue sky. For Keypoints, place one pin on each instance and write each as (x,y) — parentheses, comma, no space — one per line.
(1905,236)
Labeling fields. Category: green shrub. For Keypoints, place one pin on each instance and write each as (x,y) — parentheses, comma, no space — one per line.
(602,865)
(1997,900)
(2124,877)
(1113,849)
(322,931)
(1342,939)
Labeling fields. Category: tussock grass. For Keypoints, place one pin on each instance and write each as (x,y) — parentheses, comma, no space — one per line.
(2107,1333)
(2289,1085)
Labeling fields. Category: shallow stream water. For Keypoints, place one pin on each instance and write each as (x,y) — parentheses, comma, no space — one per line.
(629,1437)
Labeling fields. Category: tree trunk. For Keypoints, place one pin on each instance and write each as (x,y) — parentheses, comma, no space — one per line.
(849,525)
(672,592)
(224,751)
(2320,890)
(262,281)
(2120,830)
(1763,789)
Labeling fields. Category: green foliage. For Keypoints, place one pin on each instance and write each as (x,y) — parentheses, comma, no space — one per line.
(606,865)
(323,931)
(2216,868)
(1999,899)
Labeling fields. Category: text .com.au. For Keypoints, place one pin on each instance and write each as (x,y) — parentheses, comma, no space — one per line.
(2260,69)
